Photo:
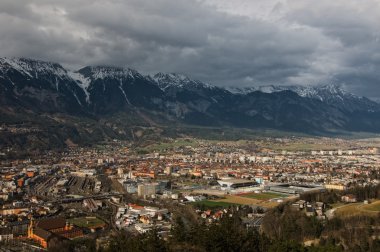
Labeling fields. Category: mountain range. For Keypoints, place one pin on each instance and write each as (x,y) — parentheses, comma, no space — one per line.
(35,91)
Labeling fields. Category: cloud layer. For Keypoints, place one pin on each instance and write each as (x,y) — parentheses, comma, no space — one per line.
(223,42)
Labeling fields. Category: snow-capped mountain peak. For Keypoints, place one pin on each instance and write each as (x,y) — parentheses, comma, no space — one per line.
(164,81)
(172,79)
(323,92)
(316,92)
(265,89)
(32,68)
(104,72)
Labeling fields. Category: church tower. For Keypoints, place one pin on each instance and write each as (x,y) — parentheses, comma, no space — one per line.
(30,228)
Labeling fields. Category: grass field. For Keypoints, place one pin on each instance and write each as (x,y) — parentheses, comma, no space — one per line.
(235,199)
(213,204)
(373,207)
(338,204)
(263,196)
(348,210)
(86,222)
(261,199)
(354,209)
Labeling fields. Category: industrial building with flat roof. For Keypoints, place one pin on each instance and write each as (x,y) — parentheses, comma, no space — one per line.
(294,189)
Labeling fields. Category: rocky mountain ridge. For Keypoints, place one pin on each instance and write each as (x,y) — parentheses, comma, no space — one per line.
(99,91)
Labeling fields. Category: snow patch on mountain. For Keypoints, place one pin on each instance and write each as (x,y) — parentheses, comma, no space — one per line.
(122,90)
(83,83)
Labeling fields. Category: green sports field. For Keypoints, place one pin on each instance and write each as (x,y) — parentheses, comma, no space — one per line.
(212,204)
(86,222)
(263,196)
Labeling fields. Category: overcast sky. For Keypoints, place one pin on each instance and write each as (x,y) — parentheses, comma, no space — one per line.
(223,42)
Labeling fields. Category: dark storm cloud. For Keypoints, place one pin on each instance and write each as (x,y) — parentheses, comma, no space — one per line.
(222,42)
(355,26)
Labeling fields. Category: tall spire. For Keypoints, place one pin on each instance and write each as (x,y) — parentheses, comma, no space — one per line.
(30,228)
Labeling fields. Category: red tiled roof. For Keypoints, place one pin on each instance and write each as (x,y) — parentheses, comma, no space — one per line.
(51,223)
(42,233)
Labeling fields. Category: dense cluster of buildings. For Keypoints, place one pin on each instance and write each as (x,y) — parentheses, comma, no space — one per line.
(84,181)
